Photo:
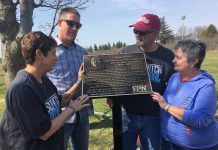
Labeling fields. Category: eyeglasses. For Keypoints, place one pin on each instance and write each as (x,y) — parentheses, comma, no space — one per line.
(72,23)
(142,33)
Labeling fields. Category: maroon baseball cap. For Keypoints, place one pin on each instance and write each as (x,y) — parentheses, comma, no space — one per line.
(147,22)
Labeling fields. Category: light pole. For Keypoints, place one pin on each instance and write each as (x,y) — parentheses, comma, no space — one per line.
(183,25)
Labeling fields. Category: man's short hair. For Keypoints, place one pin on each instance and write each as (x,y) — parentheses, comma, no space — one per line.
(67,10)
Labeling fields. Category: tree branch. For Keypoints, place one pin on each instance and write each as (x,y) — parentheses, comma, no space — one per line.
(8,23)
(53,4)
(17,3)
(56,6)
(54,22)
(39,4)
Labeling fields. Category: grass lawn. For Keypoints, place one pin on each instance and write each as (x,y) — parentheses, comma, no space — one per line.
(211,64)
(2,91)
(101,137)
(101,134)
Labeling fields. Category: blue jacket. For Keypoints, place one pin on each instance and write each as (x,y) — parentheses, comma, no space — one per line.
(198,128)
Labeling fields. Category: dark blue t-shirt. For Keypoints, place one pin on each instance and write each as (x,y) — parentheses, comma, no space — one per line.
(160,68)
(30,107)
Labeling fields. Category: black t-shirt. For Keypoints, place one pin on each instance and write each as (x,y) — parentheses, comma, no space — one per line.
(30,107)
(160,69)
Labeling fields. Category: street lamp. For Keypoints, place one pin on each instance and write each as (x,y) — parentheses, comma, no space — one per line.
(183,25)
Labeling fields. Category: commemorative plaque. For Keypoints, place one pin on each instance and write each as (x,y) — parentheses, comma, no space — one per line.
(115,75)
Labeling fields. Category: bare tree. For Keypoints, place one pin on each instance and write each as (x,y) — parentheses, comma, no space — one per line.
(14,24)
(197,31)
(182,31)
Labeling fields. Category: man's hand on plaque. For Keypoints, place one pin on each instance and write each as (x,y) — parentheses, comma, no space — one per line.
(80,73)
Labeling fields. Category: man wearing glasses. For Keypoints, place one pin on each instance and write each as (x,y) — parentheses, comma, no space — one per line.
(140,114)
(65,74)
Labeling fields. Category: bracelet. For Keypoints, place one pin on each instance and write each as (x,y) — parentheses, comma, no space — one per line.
(166,108)
(71,107)
(68,94)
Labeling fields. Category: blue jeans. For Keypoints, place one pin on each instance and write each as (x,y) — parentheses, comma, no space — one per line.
(165,145)
(79,133)
(146,127)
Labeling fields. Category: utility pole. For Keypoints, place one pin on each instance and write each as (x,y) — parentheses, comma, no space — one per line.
(183,25)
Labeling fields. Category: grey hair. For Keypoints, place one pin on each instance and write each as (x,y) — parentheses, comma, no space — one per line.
(194,49)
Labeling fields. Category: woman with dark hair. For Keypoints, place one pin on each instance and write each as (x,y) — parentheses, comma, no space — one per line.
(189,102)
(33,118)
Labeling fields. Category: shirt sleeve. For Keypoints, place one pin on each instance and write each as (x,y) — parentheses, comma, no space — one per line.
(204,109)
(29,111)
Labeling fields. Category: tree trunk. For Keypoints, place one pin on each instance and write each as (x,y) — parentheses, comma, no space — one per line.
(9,29)
(11,32)
(26,16)
(12,59)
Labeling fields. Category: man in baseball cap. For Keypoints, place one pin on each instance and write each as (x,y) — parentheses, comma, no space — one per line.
(140,114)
(146,30)
(147,22)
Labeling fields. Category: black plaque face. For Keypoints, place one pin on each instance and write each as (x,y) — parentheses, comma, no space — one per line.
(115,75)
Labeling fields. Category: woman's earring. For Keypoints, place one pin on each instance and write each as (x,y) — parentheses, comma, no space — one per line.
(40,62)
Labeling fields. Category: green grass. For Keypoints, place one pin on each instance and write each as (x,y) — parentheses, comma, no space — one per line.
(2,91)
(101,136)
(211,64)
(101,133)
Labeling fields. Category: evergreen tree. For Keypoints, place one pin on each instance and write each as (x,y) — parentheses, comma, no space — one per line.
(108,46)
(95,47)
(114,45)
(105,47)
(211,31)
(89,49)
(119,44)
(166,34)
(100,47)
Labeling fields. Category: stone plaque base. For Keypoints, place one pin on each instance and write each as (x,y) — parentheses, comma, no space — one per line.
(115,75)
